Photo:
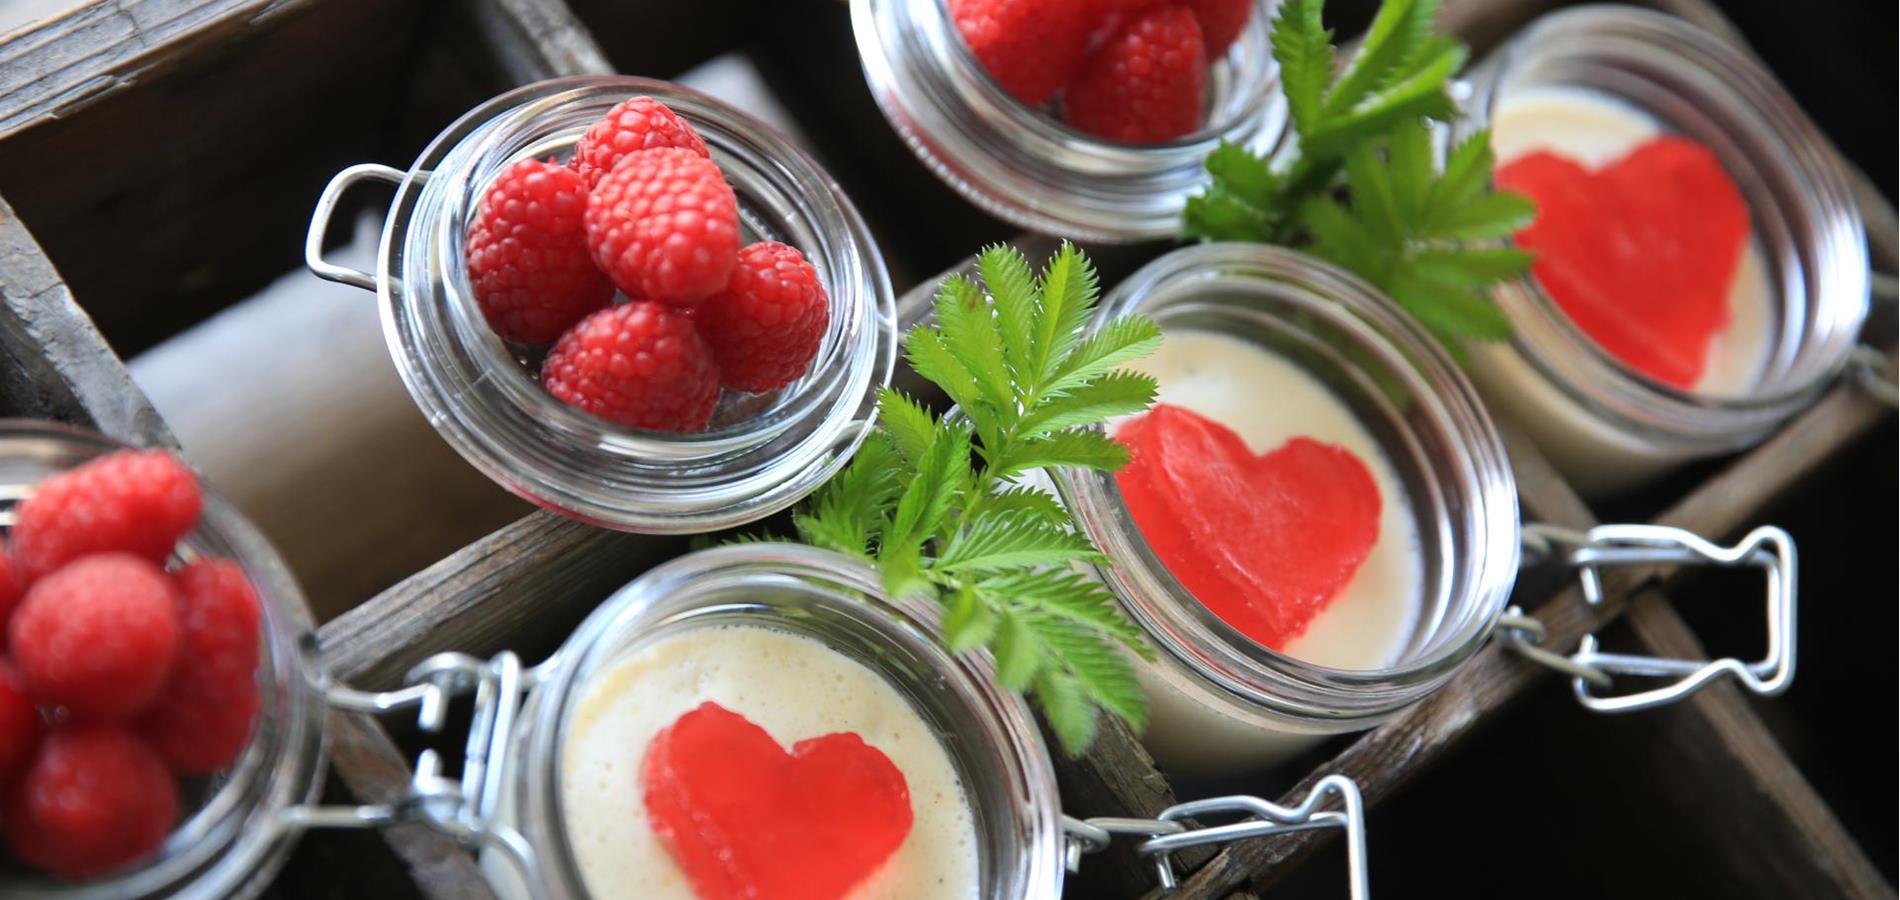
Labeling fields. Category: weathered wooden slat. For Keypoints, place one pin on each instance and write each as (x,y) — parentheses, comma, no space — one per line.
(1714,747)
(57,67)
(1386,757)
(185,155)
(57,365)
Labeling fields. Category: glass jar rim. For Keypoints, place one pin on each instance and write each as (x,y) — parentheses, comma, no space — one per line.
(1484,489)
(504,424)
(1724,84)
(706,577)
(1026,167)
(231,844)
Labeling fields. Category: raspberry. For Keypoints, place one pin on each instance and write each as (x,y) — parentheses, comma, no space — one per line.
(640,364)
(95,799)
(10,588)
(98,636)
(203,716)
(132,501)
(764,328)
(1148,83)
(1221,22)
(664,225)
(635,124)
(1031,47)
(19,725)
(527,254)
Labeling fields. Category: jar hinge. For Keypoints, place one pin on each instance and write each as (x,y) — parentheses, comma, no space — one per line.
(1164,835)
(464,806)
(1767,548)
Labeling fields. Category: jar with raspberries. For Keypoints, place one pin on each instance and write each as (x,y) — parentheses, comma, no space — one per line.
(630,303)
(1090,119)
(155,721)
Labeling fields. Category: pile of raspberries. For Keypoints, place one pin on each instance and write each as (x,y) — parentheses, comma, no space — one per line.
(1127,70)
(124,668)
(642,208)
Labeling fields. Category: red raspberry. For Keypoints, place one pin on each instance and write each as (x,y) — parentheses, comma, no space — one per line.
(635,124)
(664,225)
(19,725)
(1031,47)
(98,636)
(133,501)
(1148,83)
(527,254)
(1221,22)
(95,799)
(203,716)
(640,364)
(765,327)
(10,588)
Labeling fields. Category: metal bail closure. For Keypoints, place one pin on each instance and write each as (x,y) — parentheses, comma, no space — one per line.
(463,807)
(1768,548)
(1165,834)
(320,224)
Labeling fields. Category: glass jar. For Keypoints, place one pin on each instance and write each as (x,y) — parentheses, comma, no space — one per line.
(1605,425)
(232,840)
(1027,167)
(1218,701)
(761,454)
(992,739)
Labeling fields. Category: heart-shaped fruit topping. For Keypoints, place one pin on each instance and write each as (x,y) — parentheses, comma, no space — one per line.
(1264,542)
(1639,254)
(745,819)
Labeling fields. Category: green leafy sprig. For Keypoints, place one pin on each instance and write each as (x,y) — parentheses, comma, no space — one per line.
(1361,188)
(940,505)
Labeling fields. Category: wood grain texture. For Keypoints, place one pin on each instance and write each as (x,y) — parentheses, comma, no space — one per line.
(199,163)
(1778,833)
(57,365)
(57,67)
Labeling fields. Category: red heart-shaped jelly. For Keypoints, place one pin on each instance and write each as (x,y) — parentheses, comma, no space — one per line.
(745,819)
(1639,254)
(1264,542)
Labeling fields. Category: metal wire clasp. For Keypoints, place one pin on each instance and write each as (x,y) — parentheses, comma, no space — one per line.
(1165,834)
(463,806)
(1767,548)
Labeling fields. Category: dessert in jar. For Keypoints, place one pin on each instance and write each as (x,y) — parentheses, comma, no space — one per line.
(1024,107)
(168,730)
(1318,524)
(629,303)
(1701,274)
(758,721)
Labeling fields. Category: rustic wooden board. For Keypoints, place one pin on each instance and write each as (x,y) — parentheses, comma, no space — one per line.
(56,364)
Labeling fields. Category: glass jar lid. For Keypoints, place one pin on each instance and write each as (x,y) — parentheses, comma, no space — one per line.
(230,842)
(1811,240)
(988,733)
(1027,167)
(762,453)
(1418,407)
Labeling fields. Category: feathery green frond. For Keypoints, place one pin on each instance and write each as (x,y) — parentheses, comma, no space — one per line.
(934,502)
(1361,187)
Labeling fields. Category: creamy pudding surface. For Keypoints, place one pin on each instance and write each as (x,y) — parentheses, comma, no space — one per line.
(1267,401)
(793,687)
(1595,130)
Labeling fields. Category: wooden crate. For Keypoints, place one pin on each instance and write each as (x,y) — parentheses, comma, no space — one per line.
(380,76)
